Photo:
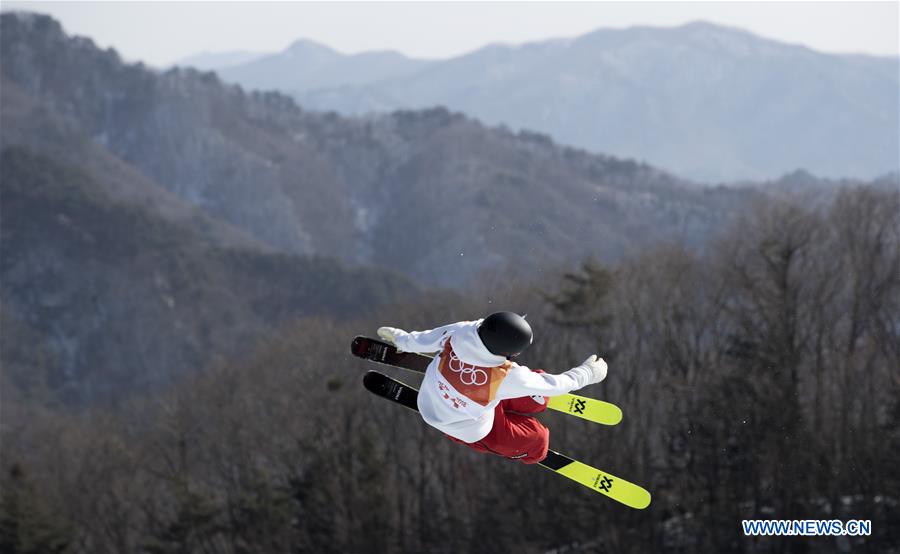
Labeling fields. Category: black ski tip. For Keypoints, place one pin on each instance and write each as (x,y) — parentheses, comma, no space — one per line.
(375,381)
(359,345)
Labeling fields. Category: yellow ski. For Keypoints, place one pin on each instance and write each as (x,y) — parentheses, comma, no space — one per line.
(605,483)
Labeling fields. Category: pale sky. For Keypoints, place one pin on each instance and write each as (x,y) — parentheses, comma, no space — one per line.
(160,33)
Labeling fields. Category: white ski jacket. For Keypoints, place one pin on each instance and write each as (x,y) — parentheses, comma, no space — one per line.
(465,382)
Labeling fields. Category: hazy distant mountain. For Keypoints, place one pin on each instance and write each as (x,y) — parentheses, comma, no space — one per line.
(707,102)
(210,61)
(307,65)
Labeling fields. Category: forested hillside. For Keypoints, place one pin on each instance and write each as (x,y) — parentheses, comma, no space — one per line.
(103,299)
(758,380)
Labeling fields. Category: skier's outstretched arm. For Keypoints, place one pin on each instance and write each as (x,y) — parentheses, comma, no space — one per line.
(417,341)
(525,382)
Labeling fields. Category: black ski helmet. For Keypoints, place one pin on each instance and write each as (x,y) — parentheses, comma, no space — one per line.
(505,333)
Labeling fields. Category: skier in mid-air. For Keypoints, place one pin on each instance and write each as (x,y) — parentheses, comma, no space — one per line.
(477,395)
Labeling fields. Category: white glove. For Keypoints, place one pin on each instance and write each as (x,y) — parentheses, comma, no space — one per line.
(597,368)
(390,334)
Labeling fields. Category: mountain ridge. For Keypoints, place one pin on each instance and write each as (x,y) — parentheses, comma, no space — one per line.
(309,183)
(640,92)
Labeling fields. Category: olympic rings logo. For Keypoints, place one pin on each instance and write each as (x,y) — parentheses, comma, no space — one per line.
(468,374)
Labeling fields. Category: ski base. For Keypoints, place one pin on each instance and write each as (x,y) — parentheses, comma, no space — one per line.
(581,407)
(599,481)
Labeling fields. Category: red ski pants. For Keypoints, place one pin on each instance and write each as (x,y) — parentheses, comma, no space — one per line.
(515,434)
